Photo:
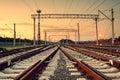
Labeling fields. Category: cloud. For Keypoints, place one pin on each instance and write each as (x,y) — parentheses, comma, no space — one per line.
(1,18)
(31,24)
(88,33)
(55,27)
(49,26)
(4,29)
(42,25)
(25,23)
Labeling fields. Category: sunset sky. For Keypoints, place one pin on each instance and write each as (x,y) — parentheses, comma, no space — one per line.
(19,12)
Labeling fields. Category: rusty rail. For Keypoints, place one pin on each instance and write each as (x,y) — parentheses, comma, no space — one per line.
(96,56)
(39,66)
(10,62)
(15,51)
(106,51)
(91,72)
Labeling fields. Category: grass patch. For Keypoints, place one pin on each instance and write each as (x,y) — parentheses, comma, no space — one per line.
(17,47)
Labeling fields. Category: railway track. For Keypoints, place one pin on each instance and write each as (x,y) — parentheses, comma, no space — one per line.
(114,51)
(15,51)
(60,63)
(61,68)
(11,59)
(110,59)
(101,66)
(111,55)
(9,72)
(108,48)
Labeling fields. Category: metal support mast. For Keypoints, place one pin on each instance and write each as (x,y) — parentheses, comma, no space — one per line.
(14,41)
(113,34)
(45,37)
(34,42)
(112,20)
(75,37)
(39,38)
(78,32)
(96,20)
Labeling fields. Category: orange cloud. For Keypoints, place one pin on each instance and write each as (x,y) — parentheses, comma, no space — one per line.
(1,18)
(4,29)
(24,23)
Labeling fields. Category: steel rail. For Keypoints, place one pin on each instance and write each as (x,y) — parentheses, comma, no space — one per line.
(96,56)
(11,62)
(91,72)
(14,51)
(29,74)
(106,51)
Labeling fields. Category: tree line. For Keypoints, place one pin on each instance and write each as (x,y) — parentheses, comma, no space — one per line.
(7,39)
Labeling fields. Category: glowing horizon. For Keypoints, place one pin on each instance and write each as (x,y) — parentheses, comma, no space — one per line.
(19,12)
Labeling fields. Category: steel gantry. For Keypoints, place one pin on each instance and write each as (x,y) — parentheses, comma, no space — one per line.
(64,16)
(55,36)
(59,30)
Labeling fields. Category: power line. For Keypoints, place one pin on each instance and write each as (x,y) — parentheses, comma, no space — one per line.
(54,5)
(65,6)
(98,6)
(77,5)
(68,10)
(74,11)
(36,4)
(10,29)
(65,9)
(24,1)
(69,6)
(115,5)
(91,5)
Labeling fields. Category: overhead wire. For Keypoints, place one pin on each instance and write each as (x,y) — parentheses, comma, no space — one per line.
(54,5)
(98,6)
(95,7)
(77,5)
(69,6)
(24,1)
(83,6)
(74,11)
(55,10)
(115,5)
(36,4)
(91,5)
(66,3)
(10,29)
